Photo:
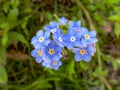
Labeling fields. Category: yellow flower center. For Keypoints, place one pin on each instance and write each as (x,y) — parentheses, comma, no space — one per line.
(39,53)
(51,51)
(87,36)
(82,51)
(54,63)
(41,39)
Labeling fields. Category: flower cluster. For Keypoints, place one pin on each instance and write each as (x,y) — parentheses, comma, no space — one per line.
(49,45)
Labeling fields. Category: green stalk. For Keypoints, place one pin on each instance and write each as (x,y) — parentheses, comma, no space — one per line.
(55,7)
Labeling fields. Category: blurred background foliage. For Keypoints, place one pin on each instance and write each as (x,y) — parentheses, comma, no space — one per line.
(21,19)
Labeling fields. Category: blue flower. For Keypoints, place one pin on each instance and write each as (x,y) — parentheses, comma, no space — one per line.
(52,64)
(52,52)
(38,54)
(83,53)
(52,27)
(88,37)
(63,21)
(55,64)
(46,63)
(40,39)
(58,37)
(75,25)
(72,39)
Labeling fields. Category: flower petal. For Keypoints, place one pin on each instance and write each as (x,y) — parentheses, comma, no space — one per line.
(87,58)
(34,53)
(71,24)
(40,33)
(78,57)
(47,35)
(53,24)
(38,59)
(78,23)
(46,42)
(93,33)
(47,28)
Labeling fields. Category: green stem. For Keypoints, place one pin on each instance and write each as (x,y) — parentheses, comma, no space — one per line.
(55,7)
(31,66)
(92,27)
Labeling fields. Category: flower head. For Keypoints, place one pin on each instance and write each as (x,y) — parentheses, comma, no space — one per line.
(58,38)
(55,64)
(83,53)
(88,37)
(53,27)
(38,54)
(62,21)
(72,39)
(52,64)
(52,51)
(40,39)
(75,25)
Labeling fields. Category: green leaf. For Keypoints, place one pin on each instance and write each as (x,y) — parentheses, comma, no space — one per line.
(70,69)
(4,39)
(83,66)
(18,36)
(102,87)
(3,75)
(6,7)
(115,65)
(117,29)
(13,15)
(111,2)
(115,17)
(2,55)
(41,83)
(15,3)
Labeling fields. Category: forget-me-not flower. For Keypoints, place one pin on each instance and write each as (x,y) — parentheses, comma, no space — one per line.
(40,39)
(75,25)
(53,27)
(63,21)
(72,39)
(55,64)
(58,38)
(83,53)
(52,64)
(52,51)
(88,37)
(38,54)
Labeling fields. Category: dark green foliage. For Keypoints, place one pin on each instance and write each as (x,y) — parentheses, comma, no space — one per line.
(21,19)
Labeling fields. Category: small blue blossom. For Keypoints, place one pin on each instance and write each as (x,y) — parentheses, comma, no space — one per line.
(83,53)
(72,39)
(46,63)
(52,51)
(58,37)
(54,64)
(53,27)
(38,54)
(88,37)
(40,39)
(62,21)
(75,25)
